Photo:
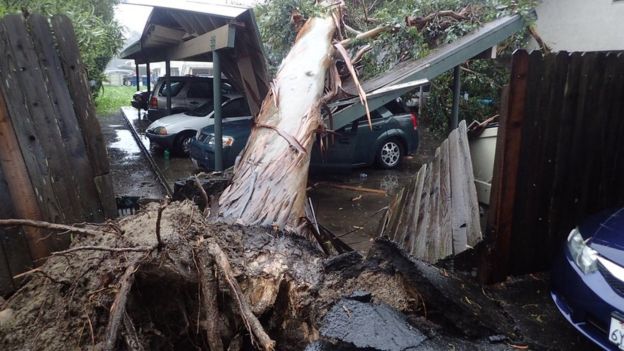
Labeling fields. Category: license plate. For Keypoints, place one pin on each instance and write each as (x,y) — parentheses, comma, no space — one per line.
(616,331)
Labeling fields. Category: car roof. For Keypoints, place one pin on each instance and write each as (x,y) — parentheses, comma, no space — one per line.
(183,78)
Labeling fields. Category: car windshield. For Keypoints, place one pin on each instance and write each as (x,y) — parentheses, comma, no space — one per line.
(202,111)
(232,108)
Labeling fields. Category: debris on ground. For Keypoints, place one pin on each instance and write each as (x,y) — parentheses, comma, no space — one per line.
(121,290)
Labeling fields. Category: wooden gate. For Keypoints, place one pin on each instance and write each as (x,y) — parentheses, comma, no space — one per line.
(559,155)
(53,161)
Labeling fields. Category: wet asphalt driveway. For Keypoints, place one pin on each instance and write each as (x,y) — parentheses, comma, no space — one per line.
(352,215)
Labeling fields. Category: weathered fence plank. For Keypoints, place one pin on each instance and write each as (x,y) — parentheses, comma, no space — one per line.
(42,114)
(81,177)
(24,131)
(84,109)
(570,159)
(45,166)
(506,167)
(433,227)
(473,227)
(446,231)
(459,221)
(23,195)
(14,253)
(434,216)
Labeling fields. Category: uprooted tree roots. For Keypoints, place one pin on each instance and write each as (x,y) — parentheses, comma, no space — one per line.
(211,286)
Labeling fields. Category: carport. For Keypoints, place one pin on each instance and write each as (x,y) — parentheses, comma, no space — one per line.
(225,35)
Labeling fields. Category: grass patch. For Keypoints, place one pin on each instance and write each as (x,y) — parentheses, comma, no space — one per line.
(111,98)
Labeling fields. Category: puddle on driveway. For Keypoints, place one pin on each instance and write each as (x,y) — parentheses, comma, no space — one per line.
(125,143)
(352,215)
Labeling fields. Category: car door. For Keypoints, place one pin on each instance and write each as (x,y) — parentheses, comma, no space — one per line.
(337,149)
(366,137)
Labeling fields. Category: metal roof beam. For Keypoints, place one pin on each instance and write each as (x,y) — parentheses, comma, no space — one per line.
(220,38)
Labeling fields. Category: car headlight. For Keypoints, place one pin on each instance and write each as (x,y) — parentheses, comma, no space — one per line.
(226,140)
(160,130)
(584,256)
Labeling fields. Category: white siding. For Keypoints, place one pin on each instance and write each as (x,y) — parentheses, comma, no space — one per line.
(582,25)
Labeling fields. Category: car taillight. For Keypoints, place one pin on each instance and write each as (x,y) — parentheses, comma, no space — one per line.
(414,119)
(154,102)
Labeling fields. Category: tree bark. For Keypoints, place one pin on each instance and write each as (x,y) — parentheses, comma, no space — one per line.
(269,183)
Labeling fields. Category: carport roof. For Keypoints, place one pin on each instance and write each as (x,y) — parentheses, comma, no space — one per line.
(186,30)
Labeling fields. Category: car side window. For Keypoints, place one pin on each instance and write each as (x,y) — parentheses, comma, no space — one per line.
(236,108)
(175,88)
(200,90)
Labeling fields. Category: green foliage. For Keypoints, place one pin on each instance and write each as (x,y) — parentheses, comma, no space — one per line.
(112,98)
(481,82)
(481,79)
(276,31)
(99,35)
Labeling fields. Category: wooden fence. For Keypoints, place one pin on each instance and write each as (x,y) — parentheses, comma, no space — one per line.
(53,161)
(437,214)
(559,157)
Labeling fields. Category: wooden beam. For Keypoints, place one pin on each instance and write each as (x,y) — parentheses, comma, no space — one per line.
(220,38)
(161,33)
(506,161)
(19,185)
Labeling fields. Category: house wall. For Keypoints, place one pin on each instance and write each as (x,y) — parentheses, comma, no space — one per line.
(581,25)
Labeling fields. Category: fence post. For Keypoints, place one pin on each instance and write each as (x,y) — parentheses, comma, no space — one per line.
(495,266)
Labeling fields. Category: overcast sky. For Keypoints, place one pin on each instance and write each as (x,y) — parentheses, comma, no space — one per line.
(133,17)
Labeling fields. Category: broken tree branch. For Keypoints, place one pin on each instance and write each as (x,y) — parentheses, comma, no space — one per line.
(208,287)
(365,36)
(420,22)
(204,196)
(251,321)
(103,248)
(130,335)
(48,225)
(43,273)
(352,30)
(360,53)
(354,188)
(158,218)
(543,46)
(118,309)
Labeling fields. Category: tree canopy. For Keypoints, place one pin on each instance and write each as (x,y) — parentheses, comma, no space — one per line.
(410,30)
(98,33)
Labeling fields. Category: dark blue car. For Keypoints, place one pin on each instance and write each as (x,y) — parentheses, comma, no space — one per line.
(588,280)
(394,134)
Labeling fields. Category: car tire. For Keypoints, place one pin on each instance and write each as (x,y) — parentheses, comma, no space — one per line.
(182,143)
(389,154)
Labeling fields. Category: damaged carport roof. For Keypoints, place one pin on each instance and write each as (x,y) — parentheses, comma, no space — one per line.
(393,83)
(189,31)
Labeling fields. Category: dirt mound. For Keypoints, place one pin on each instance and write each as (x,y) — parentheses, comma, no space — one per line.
(121,290)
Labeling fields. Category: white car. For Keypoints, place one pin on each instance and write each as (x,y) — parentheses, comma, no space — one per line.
(174,132)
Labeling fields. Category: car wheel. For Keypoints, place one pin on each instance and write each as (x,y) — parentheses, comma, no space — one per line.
(389,154)
(183,142)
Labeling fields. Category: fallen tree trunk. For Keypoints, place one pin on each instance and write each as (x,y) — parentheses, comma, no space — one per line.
(269,184)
